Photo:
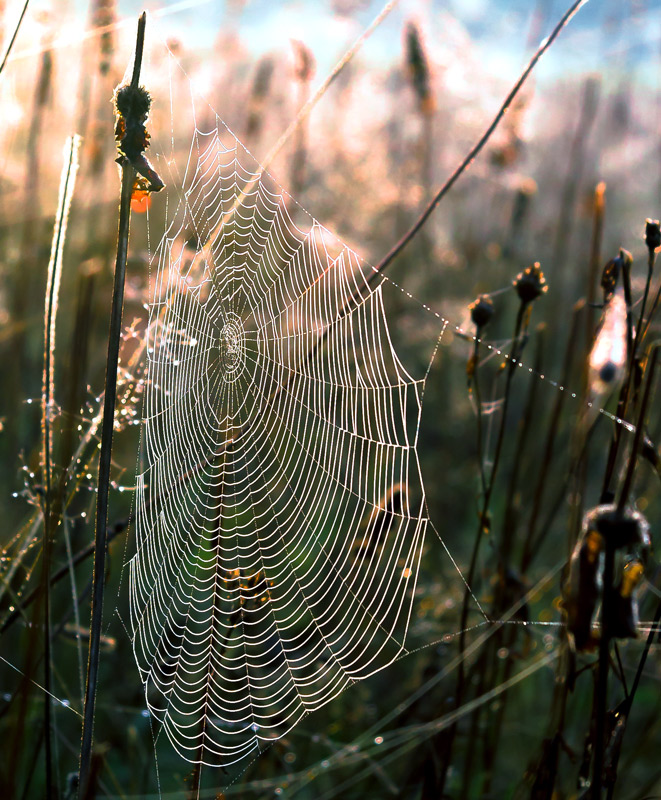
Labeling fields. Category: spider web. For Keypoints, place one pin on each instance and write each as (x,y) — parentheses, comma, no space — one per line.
(280,508)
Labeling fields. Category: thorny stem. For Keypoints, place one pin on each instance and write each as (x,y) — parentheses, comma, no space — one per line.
(128,177)
(475,150)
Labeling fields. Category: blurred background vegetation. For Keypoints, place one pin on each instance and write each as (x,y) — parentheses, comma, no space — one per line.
(569,178)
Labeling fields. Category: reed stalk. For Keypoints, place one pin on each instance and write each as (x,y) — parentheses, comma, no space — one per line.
(67,184)
(114,339)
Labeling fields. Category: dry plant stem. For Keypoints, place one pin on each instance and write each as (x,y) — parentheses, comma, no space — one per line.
(601,691)
(14,35)
(651,256)
(625,393)
(532,542)
(638,436)
(104,478)
(634,688)
(575,163)
(478,403)
(114,338)
(475,150)
(461,672)
(47,397)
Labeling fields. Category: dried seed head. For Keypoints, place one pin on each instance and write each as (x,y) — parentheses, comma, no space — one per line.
(481,311)
(652,234)
(530,284)
(627,528)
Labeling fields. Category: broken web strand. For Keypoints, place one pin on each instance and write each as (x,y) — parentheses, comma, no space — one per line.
(408,294)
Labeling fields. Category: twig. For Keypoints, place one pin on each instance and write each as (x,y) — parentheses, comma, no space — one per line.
(474,151)
(15,34)
(128,177)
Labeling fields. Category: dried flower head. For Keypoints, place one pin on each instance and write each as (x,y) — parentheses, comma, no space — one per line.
(652,234)
(132,101)
(530,284)
(620,529)
(132,104)
(481,311)
(623,530)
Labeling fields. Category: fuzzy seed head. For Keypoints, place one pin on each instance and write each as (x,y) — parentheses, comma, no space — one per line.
(132,102)
(530,284)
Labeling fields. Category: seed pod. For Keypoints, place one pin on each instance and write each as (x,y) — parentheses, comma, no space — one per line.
(530,284)
(481,311)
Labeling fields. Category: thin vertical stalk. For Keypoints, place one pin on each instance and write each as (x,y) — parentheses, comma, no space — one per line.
(601,691)
(448,739)
(14,35)
(114,338)
(48,398)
